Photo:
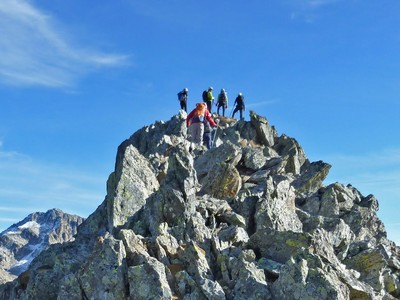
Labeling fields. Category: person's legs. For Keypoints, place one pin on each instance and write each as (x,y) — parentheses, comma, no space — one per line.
(234,111)
(193,132)
(183,105)
(207,139)
(201,133)
(209,106)
(197,130)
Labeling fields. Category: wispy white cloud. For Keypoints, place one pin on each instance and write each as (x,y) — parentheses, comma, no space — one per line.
(34,51)
(309,10)
(385,158)
(319,3)
(9,220)
(14,209)
(260,103)
(27,186)
(379,169)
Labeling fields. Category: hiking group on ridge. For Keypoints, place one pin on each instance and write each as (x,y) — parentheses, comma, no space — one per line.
(200,121)
(208,98)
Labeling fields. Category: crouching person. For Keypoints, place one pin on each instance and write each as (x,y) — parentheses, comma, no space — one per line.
(195,122)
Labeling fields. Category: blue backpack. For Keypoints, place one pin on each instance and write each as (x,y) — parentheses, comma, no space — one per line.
(182,96)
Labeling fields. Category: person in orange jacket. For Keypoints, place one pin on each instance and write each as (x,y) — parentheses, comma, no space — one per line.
(195,122)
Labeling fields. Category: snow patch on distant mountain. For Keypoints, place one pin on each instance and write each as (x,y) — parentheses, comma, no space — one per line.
(30,224)
(22,242)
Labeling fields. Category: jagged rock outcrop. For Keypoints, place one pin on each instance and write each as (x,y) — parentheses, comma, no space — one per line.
(22,242)
(248,219)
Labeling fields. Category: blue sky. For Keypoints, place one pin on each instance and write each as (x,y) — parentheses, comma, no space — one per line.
(78,77)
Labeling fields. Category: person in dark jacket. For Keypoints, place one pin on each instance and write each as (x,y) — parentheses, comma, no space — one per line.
(222,101)
(239,101)
(182,98)
(208,98)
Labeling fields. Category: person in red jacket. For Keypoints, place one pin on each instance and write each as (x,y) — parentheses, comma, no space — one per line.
(195,122)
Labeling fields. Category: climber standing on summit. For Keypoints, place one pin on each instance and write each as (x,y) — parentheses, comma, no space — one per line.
(222,101)
(182,98)
(195,122)
(239,101)
(208,98)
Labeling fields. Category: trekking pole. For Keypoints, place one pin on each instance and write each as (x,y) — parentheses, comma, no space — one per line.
(230,116)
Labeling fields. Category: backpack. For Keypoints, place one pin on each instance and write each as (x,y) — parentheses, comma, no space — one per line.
(204,96)
(222,98)
(182,96)
(199,112)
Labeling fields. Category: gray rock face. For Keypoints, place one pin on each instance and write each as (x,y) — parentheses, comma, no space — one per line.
(23,241)
(247,219)
(132,183)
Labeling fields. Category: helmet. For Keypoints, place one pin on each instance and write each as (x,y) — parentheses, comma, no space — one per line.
(222,90)
(186,89)
(210,88)
(240,94)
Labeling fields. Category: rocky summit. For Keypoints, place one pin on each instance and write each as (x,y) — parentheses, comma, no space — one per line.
(248,219)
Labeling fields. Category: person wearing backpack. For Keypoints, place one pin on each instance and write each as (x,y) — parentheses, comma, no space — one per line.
(222,102)
(239,101)
(182,98)
(208,98)
(195,122)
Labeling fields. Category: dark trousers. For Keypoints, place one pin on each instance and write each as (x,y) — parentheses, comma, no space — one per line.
(240,111)
(183,105)
(223,109)
(207,139)
(209,105)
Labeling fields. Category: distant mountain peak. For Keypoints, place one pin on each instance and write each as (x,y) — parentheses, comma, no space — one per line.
(23,241)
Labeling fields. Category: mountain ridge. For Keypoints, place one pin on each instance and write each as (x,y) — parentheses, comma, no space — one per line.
(24,240)
(247,219)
